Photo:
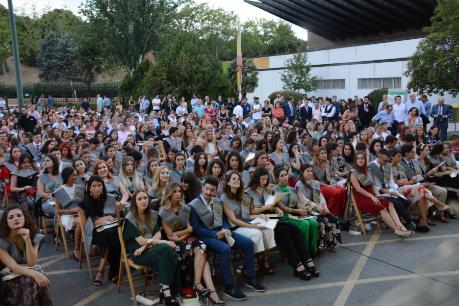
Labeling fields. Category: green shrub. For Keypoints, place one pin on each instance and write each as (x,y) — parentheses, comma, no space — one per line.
(286,94)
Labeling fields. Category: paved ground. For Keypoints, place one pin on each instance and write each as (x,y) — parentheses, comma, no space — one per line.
(376,269)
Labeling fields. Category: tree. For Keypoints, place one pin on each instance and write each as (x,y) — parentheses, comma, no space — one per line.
(435,65)
(56,59)
(249,77)
(184,67)
(5,40)
(65,59)
(132,28)
(297,76)
(46,60)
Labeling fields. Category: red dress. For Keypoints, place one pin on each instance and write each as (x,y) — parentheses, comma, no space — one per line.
(365,204)
(336,199)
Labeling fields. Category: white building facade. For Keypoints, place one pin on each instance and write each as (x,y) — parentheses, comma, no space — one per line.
(347,71)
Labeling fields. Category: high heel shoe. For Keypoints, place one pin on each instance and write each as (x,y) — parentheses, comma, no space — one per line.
(312,269)
(216,302)
(167,300)
(201,290)
(303,275)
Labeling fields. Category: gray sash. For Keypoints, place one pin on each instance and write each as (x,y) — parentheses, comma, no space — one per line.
(34,151)
(143,226)
(49,183)
(398,172)
(322,175)
(241,209)
(279,161)
(258,198)
(147,179)
(64,199)
(79,192)
(176,176)
(364,179)
(176,222)
(380,179)
(10,167)
(26,173)
(110,205)
(311,192)
(210,219)
(174,143)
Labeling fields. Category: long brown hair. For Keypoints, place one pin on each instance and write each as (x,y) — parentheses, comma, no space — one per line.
(28,223)
(99,162)
(168,192)
(147,213)
(238,195)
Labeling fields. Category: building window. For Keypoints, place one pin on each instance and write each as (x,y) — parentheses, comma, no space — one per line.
(371,83)
(331,84)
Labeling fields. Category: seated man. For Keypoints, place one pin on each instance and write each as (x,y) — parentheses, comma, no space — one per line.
(211,226)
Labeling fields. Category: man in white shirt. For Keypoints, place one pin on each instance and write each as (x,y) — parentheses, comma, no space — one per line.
(100,103)
(328,110)
(399,110)
(156,102)
(256,110)
(238,111)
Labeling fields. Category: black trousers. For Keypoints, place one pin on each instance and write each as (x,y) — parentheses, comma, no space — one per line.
(401,206)
(109,239)
(288,236)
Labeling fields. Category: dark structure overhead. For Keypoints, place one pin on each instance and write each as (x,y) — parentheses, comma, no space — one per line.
(343,20)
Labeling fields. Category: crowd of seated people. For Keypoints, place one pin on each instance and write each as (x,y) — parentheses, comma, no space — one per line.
(188,185)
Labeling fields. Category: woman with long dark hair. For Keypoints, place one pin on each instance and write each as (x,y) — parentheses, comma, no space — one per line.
(19,245)
(24,183)
(103,213)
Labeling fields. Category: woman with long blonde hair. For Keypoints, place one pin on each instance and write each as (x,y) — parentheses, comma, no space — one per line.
(175,217)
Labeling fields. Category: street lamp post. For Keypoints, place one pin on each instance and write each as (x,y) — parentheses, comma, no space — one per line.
(17,65)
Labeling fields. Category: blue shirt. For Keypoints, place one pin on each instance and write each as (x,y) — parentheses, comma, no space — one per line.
(418,104)
(199,109)
(384,116)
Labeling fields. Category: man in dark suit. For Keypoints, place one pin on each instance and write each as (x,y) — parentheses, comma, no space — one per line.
(290,110)
(441,113)
(366,112)
(305,113)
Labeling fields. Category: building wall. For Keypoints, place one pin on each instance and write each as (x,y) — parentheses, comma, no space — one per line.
(349,63)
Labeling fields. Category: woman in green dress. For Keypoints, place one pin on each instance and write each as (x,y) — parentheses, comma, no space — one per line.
(293,214)
(145,246)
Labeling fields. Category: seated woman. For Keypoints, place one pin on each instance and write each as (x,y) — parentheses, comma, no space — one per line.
(200,165)
(110,152)
(334,195)
(19,245)
(289,205)
(160,181)
(310,197)
(238,212)
(191,186)
(179,168)
(130,178)
(82,173)
(216,169)
(286,235)
(278,157)
(112,183)
(9,167)
(175,220)
(235,163)
(367,202)
(47,183)
(150,170)
(67,206)
(23,183)
(145,247)
(103,213)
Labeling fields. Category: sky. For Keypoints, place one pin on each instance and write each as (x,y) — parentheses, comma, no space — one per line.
(243,10)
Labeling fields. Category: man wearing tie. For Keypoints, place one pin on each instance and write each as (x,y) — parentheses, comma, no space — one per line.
(290,110)
(305,113)
(441,113)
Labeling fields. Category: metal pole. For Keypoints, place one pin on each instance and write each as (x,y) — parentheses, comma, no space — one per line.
(17,65)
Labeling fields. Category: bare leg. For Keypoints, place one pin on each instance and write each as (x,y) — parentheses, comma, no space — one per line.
(394,216)
(207,275)
(387,219)
(199,263)
(422,204)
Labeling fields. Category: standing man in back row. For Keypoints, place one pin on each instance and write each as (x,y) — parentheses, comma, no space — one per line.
(441,113)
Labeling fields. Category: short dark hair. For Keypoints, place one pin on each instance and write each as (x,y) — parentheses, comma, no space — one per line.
(383,152)
(409,138)
(393,152)
(406,148)
(211,180)
(66,173)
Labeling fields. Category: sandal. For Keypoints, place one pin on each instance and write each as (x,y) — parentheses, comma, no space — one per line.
(267,269)
(76,255)
(98,282)
(201,290)
(217,302)
(312,269)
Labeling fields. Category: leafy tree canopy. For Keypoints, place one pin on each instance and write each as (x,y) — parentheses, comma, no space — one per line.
(434,68)
(297,76)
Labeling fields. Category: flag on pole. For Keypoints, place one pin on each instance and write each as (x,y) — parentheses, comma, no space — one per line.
(239,65)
